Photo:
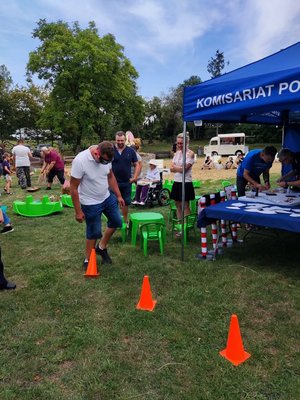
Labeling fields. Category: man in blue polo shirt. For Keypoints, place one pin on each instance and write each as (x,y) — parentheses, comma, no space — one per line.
(255,163)
(124,158)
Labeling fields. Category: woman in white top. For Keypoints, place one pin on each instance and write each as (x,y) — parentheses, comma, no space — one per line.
(177,168)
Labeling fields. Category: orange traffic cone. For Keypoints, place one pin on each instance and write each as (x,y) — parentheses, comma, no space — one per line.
(234,351)
(146,302)
(92,270)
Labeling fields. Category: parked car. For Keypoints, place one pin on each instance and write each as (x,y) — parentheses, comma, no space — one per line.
(37,150)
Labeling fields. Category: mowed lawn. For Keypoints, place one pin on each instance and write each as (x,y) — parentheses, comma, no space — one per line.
(67,337)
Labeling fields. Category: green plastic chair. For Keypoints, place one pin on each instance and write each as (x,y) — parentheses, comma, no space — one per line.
(168,184)
(173,210)
(188,225)
(226,183)
(133,190)
(197,184)
(123,228)
(66,200)
(152,231)
(37,208)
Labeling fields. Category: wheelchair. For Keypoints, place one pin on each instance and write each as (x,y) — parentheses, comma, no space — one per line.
(157,194)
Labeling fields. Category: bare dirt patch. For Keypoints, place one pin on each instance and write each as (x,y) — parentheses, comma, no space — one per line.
(214,174)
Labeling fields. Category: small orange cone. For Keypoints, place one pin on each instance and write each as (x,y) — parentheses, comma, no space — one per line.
(146,302)
(234,351)
(92,270)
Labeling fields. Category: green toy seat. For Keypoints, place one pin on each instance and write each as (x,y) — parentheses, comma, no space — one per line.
(37,208)
(66,200)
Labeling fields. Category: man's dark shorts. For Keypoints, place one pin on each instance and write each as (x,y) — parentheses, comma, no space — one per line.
(125,189)
(92,213)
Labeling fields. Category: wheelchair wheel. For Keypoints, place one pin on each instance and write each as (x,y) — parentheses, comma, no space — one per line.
(163,197)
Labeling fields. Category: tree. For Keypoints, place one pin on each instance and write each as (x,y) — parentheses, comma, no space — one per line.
(216,64)
(6,110)
(27,104)
(171,116)
(92,84)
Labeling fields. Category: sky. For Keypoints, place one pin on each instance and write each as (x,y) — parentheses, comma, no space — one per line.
(167,41)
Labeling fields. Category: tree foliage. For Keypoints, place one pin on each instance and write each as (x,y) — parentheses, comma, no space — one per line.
(167,122)
(92,84)
(216,64)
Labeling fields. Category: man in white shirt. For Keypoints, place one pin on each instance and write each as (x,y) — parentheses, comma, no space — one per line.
(91,181)
(21,157)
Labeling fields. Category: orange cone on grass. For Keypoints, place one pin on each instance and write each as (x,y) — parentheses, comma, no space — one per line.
(234,351)
(92,270)
(146,302)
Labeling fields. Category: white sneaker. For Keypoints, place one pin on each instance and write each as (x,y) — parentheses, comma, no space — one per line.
(134,202)
(141,203)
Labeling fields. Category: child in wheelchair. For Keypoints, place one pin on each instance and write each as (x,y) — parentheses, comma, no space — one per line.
(143,185)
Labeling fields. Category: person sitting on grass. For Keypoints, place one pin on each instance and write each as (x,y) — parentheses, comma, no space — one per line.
(229,163)
(208,163)
(238,161)
(142,188)
(4,219)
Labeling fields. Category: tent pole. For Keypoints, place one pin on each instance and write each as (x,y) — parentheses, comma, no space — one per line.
(183,190)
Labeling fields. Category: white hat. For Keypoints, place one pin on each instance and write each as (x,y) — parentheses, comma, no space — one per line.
(153,162)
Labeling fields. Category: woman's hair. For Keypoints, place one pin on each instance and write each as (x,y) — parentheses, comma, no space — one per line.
(180,135)
(137,143)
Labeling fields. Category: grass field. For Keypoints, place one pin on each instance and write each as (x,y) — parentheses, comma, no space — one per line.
(66,337)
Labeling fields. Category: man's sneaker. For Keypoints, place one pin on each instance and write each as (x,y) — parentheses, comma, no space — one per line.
(7,229)
(85,265)
(134,202)
(103,253)
(142,203)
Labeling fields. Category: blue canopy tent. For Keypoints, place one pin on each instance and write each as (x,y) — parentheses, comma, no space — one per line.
(264,92)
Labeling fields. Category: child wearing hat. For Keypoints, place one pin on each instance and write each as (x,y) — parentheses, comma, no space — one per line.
(152,176)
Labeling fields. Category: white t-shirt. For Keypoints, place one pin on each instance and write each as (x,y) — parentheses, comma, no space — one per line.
(21,154)
(93,188)
(153,174)
(178,161)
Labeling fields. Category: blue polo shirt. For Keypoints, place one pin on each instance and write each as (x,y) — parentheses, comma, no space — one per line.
(254,164)
(122,163)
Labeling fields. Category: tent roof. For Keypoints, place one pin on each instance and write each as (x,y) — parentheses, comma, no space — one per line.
(266,91)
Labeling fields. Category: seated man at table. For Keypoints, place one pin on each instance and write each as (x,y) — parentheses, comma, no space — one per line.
(255,163)
(292,178)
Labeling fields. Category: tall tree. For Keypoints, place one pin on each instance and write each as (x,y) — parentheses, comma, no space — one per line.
(216,64)
(6,109)
(27,104)
(171,118)
(92,83)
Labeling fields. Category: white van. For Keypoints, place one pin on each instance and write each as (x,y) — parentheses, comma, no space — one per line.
(226,144)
